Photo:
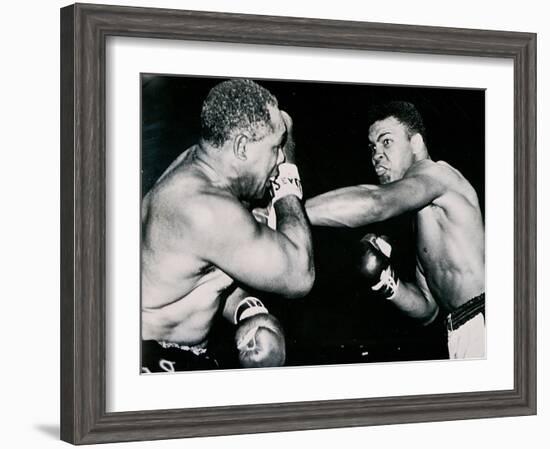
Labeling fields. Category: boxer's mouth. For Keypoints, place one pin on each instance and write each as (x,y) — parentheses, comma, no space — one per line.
(380,170)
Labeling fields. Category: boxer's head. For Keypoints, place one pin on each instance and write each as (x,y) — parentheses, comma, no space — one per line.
(396,136)
(243,118)
(261,157)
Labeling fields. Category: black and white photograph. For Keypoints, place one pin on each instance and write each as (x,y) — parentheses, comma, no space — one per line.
(305,223)
(243,224)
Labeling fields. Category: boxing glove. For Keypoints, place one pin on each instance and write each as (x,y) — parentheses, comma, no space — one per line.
(286,183)
(374,266)
(259,336)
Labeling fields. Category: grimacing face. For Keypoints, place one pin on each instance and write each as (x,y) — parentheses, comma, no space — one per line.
(391,149)
(266,154)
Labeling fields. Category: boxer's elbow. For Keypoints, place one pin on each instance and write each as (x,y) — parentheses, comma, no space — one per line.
(307,279)
(430,314)
(300,279)
(298,290)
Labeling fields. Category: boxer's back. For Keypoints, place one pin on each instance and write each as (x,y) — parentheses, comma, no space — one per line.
(450,241)
(180,291)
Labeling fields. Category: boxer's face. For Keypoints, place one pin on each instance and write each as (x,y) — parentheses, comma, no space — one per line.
(391,149)
(266,154)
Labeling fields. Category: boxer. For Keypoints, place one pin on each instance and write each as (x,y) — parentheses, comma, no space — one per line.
(450,236)
(200,240)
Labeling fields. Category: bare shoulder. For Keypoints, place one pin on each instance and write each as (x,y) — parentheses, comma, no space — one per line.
(185,199)
(216,211)
(454,178)
(440,170)
(454,183)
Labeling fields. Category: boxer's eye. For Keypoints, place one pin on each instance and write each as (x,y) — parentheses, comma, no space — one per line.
(387,142)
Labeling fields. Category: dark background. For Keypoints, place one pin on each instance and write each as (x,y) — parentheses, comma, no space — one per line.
(339,321)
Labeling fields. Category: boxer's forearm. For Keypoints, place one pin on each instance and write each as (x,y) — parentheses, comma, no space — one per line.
(347,207)
(411,301)
(293,224)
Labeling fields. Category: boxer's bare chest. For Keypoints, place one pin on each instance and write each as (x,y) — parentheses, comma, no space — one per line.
(431,227)
(447,249)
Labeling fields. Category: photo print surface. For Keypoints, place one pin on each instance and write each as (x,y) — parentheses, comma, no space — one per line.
(300,223)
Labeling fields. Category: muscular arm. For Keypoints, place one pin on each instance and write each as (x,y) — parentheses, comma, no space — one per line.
(226,235)
(416,301)
(293,224)
(375,268)
(364,204)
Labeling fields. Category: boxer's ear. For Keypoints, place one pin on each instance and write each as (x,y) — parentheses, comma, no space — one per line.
(239,146)
(417,142)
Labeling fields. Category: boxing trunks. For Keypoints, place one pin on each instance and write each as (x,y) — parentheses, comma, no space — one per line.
(159,357)
(466,330)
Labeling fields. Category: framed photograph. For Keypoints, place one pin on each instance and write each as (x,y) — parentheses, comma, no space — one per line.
(259,213)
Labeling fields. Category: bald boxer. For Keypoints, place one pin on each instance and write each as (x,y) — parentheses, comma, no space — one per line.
(202,249)
(450,236)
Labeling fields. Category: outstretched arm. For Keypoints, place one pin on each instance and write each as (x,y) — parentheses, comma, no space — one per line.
(347,207)
(364,204)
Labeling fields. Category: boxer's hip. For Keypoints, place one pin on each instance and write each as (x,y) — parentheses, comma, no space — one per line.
(466,337)
(466,312)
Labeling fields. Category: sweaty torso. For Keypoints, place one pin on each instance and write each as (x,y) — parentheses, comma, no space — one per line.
(181,292)
(451,243)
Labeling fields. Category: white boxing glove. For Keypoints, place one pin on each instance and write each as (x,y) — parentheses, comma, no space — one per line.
(259,337)
(286,183)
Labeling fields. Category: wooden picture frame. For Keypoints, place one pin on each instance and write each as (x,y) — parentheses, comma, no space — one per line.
(84,29)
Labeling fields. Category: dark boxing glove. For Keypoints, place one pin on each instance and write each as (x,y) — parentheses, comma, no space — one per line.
(374,265)
(259,336)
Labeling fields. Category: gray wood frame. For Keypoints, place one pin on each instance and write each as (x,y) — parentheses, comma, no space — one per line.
(84,29)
